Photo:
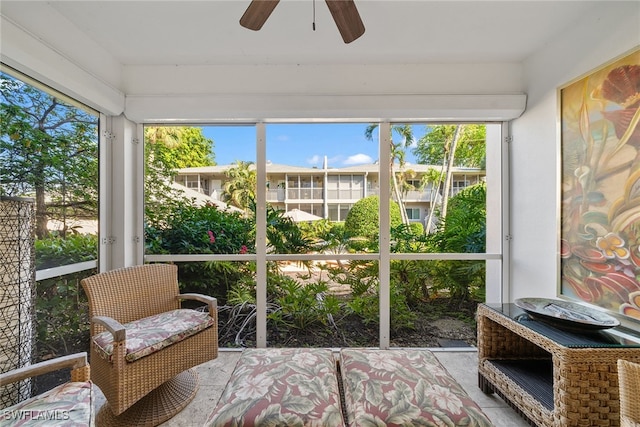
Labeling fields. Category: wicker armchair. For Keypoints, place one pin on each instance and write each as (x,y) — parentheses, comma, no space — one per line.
(143,345)
(629,381)
(71,403)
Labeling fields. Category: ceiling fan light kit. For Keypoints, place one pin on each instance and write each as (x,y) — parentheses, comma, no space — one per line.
(344,13)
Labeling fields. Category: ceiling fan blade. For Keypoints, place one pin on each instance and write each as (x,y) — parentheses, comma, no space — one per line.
(347,19)
(257,13)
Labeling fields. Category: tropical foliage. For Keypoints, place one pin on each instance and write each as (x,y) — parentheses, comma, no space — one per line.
(166,149)
(435,145)
(240,187)
(397,151)
(459,145)
(363,219)
(464,231)
(62,316)
(179,147)
(48,151)
(191,229)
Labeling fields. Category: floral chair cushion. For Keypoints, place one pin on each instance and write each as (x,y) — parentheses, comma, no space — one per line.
(68,405)
(404,388)
(281,387)
(148,335)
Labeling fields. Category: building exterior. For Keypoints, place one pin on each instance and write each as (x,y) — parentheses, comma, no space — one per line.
(331,192)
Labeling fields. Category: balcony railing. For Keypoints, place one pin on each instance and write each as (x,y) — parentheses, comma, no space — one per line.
(278,195)
(305,193)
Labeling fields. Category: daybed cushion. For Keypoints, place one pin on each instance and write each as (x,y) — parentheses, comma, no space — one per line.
(281,387)
(403,388)
(68,405)
(150,334)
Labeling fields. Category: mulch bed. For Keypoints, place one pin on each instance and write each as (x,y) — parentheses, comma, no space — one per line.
(442,321)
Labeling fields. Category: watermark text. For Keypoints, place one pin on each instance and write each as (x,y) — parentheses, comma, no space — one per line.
(44,415)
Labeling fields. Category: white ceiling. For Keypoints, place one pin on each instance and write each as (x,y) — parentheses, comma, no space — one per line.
(208,32)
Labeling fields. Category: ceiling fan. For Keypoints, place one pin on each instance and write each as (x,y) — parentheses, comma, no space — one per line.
(344,13)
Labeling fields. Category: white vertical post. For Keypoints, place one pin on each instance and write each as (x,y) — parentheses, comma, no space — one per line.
(104,197)
(325,190)
(137,231)
(494,176)
(385,228)
(124,213)
(506,213)
(261,236)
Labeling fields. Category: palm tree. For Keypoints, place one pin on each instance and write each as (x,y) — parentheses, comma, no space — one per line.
(448,158)
(451,145)
(240,188)
(160,197)
(397,154)
(450,154)
(434,178)
(167,135)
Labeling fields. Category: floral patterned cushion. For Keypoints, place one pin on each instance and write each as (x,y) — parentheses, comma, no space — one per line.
(69,405)
(403,388)
(148,335)
(281,387)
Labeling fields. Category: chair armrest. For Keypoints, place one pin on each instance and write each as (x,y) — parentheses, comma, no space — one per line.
(73,361)
(210,301)
(112,325)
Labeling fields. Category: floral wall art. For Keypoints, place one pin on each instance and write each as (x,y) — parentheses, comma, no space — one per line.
(600,188)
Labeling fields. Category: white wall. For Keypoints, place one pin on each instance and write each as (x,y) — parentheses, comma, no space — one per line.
(364,92)
(607,32)
(64,71)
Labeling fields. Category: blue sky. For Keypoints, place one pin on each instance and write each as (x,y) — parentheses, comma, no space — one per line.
(344,144)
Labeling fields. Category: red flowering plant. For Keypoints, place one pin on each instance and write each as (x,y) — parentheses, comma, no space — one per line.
(204,230)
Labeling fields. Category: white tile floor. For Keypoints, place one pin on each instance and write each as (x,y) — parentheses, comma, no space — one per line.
(461,364)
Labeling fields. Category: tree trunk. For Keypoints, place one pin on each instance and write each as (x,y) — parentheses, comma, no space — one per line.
(433,202)
(396,192)
(449,174)
(41,213)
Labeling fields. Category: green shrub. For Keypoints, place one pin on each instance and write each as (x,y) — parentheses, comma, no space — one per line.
(403,239)
(62,312)
(57,251)
(303,305)
(464,231)
(417,228)
(465,227)
(284,236)
(413,279)
(316,229)
(200,230)
(362,276)
(363,218)
(204,229)
(367,306)
(461,280)
(337,228)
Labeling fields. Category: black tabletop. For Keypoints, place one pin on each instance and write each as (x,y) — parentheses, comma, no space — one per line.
(570,337)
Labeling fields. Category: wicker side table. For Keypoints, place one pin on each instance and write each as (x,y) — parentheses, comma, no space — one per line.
(552,377)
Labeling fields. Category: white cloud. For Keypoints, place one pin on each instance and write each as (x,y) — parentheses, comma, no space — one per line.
(314,160)
(358,159)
